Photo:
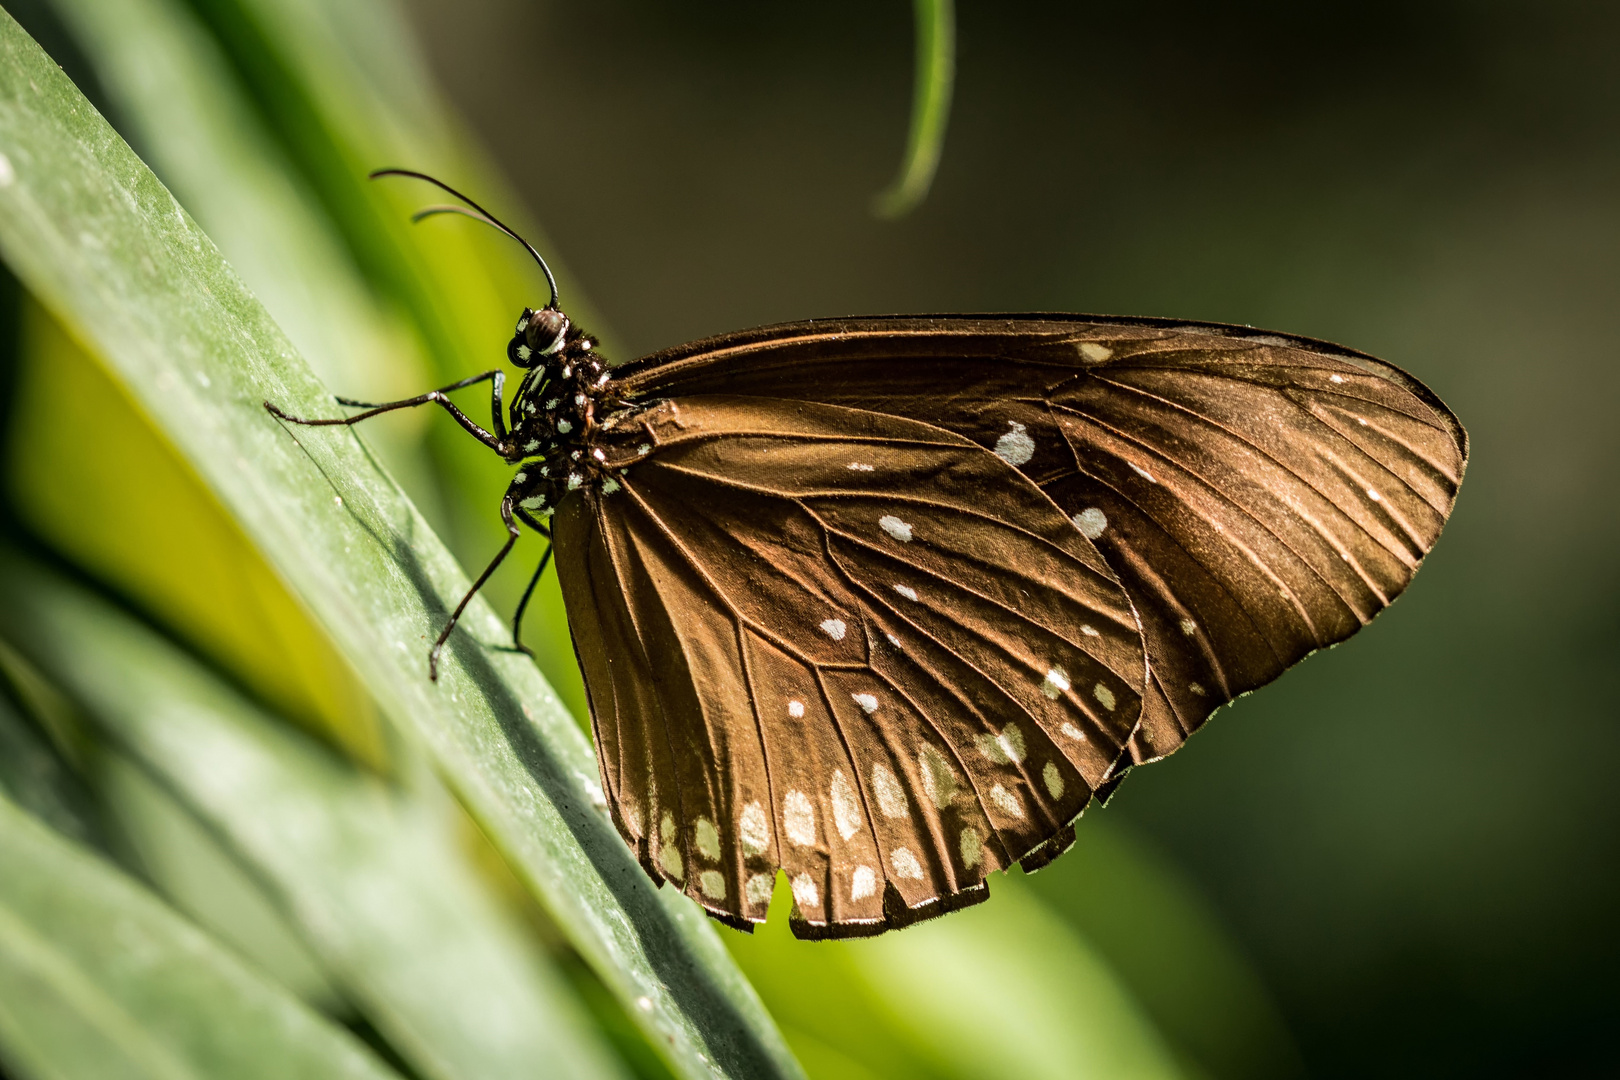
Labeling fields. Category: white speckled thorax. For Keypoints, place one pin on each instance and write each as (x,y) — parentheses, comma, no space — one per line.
(554,420)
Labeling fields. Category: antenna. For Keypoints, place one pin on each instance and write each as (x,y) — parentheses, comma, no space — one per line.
(477,213)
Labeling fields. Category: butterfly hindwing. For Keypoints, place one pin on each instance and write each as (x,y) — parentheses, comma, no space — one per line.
(1259,497)
(862,670)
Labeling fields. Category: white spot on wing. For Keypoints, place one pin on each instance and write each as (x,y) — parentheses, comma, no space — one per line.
(939,779)
(713,884)
(796,709)
(564,426)
(1104,695)
(758,889)
(1196,689)
(1057,681)
(1143,473)
(1089,630)
(891,796)
(857,466)
(1373,495)
(799,818)
(896,528)
(804,892)
(1336,378)
(754,829)
(862,883)
(1054,780)
(1015,447)
(1189,627)
(1091,522)
(905,864)
(1073,732)
(1094,352)
(906,591)
(893,640)
(834,628)
(846,808)
(868,702)
(1004,749)
(1006,802)
(971,846)
(669,855)
(707,838)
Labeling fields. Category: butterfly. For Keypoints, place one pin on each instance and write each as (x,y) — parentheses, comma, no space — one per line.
(884,603)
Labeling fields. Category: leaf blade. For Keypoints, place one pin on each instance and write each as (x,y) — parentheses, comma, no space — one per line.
(99,979)
(930,109)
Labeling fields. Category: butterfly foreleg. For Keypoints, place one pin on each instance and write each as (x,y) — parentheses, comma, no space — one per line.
(517,617)
(455,616)
(495,441)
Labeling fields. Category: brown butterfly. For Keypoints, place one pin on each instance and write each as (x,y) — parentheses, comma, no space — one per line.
(884,603)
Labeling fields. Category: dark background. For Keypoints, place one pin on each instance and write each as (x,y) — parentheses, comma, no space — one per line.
(1414,835)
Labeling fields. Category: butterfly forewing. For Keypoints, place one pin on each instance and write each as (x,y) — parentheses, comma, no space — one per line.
(1258,497)
(1249,531)
(883,660)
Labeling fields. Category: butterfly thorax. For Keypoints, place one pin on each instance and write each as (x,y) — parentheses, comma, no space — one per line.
(555,415)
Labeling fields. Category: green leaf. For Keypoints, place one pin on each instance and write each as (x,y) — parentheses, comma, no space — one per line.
(163,540)
(930,108)
(110,252)
(165,845)
(39,781)
(98,979)
(371,876)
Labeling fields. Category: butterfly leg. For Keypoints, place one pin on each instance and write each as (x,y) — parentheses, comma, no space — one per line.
(455,616)
(539,571)
(496,442)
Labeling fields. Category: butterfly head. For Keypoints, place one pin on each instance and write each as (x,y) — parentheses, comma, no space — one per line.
(539,334)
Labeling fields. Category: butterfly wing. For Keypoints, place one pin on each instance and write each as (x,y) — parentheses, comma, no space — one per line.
(1259,497)
(851,646)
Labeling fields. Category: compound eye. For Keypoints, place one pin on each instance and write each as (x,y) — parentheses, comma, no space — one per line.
(544,334)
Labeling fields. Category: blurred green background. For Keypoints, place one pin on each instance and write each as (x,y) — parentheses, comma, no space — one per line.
(1400,859)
